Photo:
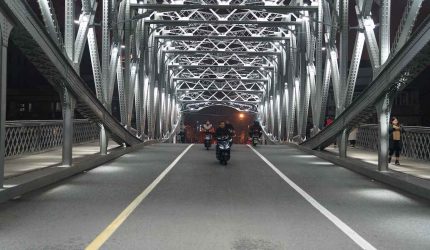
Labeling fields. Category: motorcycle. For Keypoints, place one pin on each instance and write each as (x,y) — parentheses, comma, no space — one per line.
(255,139)
(208,140)
(223,149)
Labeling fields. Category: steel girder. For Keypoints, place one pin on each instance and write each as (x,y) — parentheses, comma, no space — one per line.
(397,72)
(57,66)
(241,64)
(275,8)
(184,22)
(280,60)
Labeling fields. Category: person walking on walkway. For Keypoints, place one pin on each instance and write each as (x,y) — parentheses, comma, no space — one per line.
(395,133)
(352,137)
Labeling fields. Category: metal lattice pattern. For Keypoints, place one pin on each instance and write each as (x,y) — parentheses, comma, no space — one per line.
(415,140)
(26,137)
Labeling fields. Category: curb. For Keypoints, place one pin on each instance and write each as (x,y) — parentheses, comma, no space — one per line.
(398,180)
(54,175)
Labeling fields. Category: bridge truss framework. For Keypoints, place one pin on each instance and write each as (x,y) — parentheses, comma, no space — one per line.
(275,58)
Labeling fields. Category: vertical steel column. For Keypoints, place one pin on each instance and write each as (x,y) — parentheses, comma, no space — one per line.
(384,34)
(383,109)
(271,115)
(303,96)
(5,29)
(69,30)
(106,51)
(104,139)
(150,110)
(291,102)
(328,67)
(343,70)
(283,100)
(140,76)
(3,83)
(68,113)
(318,68)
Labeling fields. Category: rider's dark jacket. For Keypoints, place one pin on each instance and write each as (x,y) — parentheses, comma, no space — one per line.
(222,132)
(255,128)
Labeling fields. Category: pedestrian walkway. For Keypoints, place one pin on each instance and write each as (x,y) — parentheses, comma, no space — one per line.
(409,166)
(177,196)
(28,163)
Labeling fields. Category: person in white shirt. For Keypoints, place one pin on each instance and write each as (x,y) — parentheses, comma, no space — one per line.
(207,126)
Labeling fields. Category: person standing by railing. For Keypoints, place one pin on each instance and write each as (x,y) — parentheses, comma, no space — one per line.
(395,133)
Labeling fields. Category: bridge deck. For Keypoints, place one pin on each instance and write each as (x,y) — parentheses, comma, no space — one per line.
(203,205)
(52,158)
(418,168)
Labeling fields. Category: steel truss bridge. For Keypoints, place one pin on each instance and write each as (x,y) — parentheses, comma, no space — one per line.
(275,58)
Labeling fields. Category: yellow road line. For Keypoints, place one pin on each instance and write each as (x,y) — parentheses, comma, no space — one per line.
(109,230)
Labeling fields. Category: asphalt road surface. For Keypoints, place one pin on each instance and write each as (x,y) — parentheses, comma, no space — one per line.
(177,196)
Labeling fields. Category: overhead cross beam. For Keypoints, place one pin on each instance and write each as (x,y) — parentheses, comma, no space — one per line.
(239,38)
(261,23)
(269,8)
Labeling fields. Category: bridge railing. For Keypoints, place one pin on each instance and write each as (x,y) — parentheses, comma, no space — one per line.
(415,140)
(26,137)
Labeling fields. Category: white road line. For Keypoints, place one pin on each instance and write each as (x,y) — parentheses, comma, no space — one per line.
(109,230)
(336,221)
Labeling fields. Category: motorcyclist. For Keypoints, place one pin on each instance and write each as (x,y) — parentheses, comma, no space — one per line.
(222,130)
(207,127)
(223,135)
(230,127)
(255,129)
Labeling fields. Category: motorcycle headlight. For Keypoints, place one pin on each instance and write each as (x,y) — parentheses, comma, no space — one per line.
(222,147)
